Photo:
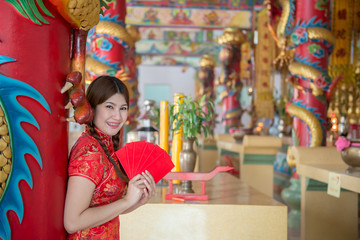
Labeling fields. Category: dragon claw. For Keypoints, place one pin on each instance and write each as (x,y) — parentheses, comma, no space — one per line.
(69,105)
(73,78)
(66,87)
(83,112)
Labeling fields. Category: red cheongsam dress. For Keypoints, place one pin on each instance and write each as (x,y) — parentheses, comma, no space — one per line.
(88,160)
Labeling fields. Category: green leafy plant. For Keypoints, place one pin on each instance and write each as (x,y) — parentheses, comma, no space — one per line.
(156,118)
(190,115)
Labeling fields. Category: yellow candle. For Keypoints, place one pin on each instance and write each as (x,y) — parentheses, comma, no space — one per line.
(164,125)
(177,141)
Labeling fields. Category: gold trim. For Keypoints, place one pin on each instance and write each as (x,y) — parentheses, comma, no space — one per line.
(134,32)
(304,70)
(233,114)
(232,36)
(96,66)
(207,61)
(312,122)
(315,90)
(280,31)
(114,29)
(321,33)
(290,159)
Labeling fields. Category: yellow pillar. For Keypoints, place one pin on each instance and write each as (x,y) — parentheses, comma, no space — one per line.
(177,141)
(164,125)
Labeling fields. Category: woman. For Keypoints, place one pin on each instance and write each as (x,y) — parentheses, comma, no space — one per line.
(97,182)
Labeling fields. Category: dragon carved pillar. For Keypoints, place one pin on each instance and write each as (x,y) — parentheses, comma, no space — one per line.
(132,61)
(313,43)
(304,28)
(112,52)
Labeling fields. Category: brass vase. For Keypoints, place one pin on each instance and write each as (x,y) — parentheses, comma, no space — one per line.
(187,160)
(351,156)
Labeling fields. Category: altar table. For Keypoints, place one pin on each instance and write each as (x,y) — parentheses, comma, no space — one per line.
(257,156)
(234,211)
(324,216)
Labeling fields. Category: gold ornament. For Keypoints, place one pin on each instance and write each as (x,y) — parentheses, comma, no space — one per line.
(5,152)
(311,120)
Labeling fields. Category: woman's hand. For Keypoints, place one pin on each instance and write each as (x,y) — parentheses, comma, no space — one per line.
(150,188)
(135,190)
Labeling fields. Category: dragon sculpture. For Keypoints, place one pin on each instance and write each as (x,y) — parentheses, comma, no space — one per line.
(305,33)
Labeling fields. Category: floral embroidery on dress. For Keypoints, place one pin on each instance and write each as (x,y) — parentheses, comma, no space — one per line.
(87,159)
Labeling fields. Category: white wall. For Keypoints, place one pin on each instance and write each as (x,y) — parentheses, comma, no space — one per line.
(180,81)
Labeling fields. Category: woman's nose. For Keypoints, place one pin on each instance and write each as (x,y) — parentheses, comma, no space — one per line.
(117,115)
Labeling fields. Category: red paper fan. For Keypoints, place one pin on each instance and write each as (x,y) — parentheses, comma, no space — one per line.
(136,157)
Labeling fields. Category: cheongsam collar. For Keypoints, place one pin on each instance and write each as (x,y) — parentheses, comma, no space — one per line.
(106,139)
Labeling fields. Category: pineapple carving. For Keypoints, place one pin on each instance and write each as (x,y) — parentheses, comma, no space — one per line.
(5,152)
(81,14)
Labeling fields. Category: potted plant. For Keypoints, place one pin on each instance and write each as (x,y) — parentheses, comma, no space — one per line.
(193,118)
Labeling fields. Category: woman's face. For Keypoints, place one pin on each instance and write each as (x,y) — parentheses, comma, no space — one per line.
(111,115)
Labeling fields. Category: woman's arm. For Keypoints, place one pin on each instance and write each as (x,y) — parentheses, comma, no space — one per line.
(78,215)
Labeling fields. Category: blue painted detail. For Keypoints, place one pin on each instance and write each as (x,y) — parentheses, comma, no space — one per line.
(21,144)
(305,60)
(290,21)
(328,45)
(106,45)
(91,32)
(316,50)
(115,19)
(153,49)
(310,80)
(118,40)
(299,38)
(312,110)
(115,65)
(312,23)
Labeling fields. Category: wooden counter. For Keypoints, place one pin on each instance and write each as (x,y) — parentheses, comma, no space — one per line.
(257,156)
(324,216)
(234,211)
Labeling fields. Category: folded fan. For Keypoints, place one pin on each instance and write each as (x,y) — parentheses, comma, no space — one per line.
(136,157)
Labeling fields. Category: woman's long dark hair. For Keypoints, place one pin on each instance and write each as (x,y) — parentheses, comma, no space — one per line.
(101,89)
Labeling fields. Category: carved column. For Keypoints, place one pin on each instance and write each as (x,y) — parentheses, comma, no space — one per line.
(313,43)
(230,82)
(34,61)
(111,52)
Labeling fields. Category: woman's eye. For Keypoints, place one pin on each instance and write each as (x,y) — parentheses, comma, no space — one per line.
(109,106)
(123,108)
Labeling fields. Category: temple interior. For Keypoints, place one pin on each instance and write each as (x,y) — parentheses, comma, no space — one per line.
(257,102)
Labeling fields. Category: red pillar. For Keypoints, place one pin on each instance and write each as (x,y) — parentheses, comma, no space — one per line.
(31,207)
(313,43)
(112,52)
